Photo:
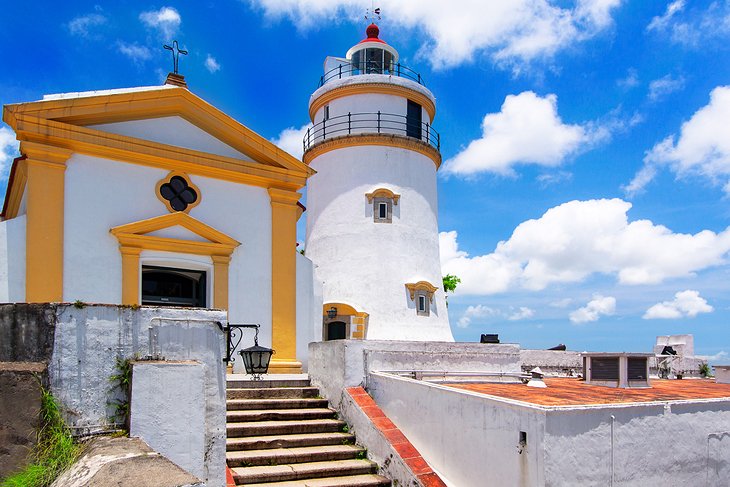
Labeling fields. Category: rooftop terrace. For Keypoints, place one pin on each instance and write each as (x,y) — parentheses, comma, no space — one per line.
(575,392)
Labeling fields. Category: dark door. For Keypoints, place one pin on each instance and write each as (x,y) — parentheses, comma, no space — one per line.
(165,286)
(413,120)
(336,330)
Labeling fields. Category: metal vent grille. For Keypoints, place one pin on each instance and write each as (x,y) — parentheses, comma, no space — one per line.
(637,369)
(604,368)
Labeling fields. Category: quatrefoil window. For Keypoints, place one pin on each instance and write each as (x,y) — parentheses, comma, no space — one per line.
(178,193)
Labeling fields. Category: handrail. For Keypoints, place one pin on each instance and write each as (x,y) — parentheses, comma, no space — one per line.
(371,122)
(370,67)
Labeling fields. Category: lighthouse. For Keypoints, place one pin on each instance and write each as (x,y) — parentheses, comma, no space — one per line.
(372,206)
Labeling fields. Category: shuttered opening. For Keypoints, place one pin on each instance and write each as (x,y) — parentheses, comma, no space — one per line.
(637,369)
(604,368)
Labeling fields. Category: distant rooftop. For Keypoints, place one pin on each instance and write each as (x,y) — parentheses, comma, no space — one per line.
(575,392)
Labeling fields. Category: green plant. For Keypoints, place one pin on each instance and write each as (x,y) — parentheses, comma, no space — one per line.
(122,383)
(362,455)
(705,370)
(344,428)
(78,304)
(54,452)
(450,282)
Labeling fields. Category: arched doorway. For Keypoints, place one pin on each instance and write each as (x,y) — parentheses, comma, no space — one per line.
(342,321)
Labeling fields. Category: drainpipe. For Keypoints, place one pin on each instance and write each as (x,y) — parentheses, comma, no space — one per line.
(613,420)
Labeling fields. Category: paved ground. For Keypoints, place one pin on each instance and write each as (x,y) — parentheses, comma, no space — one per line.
(575,392)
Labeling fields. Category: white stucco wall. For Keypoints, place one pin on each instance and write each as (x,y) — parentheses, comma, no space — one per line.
(309,310)
(366,264)
(172,423)
(102,194)
(172,131)
(676,443)
(337,364)
(470,439)
(12,260)
(88,340)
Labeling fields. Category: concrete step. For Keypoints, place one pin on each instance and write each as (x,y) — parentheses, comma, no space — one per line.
(271,393)
(288,441)
(280,403)
(268,428)
(278,414)
(369,480)
(302,471)
(265,384)
(282,456)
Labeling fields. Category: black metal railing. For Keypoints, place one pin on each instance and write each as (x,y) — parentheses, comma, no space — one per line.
(371,123)
(353,69)
(233,334)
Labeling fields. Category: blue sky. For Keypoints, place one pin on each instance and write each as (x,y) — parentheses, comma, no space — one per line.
(586,144)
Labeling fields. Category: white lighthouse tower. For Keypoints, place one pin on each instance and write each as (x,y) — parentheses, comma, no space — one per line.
(372,225)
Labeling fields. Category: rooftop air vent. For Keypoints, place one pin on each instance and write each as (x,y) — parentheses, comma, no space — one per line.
(617,369)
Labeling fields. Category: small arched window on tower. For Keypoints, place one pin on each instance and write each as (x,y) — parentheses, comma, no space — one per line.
(421,294)
(382,200)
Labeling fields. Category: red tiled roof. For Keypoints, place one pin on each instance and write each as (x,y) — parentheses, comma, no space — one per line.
(575,392)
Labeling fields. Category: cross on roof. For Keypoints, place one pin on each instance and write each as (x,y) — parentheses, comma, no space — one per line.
(176,51)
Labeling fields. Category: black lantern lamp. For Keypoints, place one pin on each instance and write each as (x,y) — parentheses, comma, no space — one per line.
(256,359)
(332,312)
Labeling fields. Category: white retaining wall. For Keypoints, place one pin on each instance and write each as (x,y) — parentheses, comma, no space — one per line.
(12,260)
(88,341)
(337,364)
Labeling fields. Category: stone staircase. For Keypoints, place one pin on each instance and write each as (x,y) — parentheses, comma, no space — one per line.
(281,433)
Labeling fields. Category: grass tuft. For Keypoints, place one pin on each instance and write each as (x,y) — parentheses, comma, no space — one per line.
(54,452)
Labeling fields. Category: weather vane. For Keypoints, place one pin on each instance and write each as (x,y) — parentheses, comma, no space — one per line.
(176,51)
(372,13)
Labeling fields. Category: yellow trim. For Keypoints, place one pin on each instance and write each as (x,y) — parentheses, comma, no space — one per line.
(284,211)
(372,88)
(46,167)
(144,152)
(421,286)
(383,193)
(166,179)
(155,103)
(132,241)
(387,140)
(359,318)
(16,191)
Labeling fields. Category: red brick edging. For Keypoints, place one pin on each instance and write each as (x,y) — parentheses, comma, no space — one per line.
(229,477)
(397,440)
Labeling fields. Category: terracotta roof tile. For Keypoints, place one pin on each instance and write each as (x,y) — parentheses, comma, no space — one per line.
(575,392)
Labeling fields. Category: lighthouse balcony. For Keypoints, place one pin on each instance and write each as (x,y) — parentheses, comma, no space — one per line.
(373,124)
(344,69)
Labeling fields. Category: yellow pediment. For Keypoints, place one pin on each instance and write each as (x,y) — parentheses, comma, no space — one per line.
(136,235)
(65,122)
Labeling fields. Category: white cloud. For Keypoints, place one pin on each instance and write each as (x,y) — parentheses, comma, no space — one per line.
(598,306)
(527,130)
(211,64)
(659,88)
(702,148)
(685,304)
(290,139)
(521,314)
(631,80)
(580,238)
(561,303)
(8,150)
(718,357)
(661,22)
(478,311)
(83,24)
(167,20)
(135,52)
(513,33)
(693,27)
